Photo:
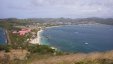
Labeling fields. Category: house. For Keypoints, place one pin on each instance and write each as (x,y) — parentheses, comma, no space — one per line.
(22,32)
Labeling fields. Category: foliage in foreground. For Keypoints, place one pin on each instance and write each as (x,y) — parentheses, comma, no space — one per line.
(5,48)
(79,58)
(41,49)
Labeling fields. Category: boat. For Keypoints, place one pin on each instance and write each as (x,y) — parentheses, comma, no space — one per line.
(86,43)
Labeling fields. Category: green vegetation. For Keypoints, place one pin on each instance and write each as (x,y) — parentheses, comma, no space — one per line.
(19,41)
(5,48)
(40,49)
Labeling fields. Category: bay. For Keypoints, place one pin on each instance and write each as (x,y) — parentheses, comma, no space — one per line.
(80,38)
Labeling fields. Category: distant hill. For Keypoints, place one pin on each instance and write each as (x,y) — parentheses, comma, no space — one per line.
(108,21)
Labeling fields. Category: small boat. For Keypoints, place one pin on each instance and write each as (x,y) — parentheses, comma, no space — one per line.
(86,43)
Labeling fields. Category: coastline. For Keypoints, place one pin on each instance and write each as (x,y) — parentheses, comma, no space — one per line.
(39,36)
(37,40)
(6,36)
(53,26)
(52,47)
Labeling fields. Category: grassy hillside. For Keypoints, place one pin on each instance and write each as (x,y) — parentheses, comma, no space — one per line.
(79,58)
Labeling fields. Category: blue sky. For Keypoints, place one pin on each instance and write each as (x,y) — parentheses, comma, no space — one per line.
(56,8)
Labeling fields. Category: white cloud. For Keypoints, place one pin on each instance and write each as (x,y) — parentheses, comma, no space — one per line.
(58,8)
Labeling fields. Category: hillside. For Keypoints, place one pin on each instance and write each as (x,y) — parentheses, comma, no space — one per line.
(70,58)
(79,58)
(62,21)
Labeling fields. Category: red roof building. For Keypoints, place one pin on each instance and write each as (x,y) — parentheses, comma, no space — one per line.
(22,32)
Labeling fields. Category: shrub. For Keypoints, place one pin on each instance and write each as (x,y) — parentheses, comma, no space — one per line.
(40,49)
(5,48)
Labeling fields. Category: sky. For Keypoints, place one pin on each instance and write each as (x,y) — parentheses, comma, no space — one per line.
(56,8)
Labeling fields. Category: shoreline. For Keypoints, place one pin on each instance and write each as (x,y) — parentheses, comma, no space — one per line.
(54,26)
(39,36)
(37,39)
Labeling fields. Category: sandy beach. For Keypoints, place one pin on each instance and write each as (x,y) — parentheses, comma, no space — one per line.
(37,39)
(39,36)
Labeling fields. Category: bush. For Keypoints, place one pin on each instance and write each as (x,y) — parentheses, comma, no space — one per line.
(40,49)
(5,48)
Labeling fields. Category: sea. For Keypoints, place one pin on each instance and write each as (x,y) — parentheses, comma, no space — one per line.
(79,38)
(2,36)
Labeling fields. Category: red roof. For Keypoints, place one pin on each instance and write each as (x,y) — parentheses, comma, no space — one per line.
(24,31)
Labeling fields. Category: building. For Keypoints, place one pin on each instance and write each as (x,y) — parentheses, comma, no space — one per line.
(24,31)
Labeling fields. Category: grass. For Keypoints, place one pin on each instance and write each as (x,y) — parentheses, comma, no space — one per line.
(79,58)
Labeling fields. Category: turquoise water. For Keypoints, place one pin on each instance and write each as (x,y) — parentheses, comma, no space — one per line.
(80,38)
(2,36)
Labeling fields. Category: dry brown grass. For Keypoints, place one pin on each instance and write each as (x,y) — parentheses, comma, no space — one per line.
(14,54)
(78,58)
(73,58)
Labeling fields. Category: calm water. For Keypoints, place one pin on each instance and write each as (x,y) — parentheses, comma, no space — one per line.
(2,36)
(80,38)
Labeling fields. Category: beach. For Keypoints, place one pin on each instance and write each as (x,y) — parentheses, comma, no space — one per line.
(37,40)
(39,36)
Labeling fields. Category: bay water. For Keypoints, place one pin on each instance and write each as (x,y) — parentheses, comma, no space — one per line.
(79,38)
